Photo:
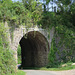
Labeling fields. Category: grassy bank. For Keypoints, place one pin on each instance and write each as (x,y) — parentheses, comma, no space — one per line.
(66,66)
(58,69)
(19,73)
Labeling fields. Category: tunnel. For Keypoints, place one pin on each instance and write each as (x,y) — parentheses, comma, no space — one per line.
(34,49)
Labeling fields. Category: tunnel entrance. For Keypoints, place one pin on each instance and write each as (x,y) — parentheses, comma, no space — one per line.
(34,50)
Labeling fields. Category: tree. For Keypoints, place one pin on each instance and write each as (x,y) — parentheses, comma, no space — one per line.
(34,7)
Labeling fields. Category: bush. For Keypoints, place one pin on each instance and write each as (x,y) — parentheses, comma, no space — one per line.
(7,62)
(52,56)
(19,54)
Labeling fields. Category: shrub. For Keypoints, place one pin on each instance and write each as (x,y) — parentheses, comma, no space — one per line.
(7,61)
(19,54)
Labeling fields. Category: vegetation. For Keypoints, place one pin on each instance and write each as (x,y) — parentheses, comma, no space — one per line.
(15,14)
(19,73)
(19,54)
(61,67)
(7,62)
(63,22)
(26,12)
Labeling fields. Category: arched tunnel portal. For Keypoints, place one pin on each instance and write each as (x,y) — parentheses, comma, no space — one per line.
(34,49)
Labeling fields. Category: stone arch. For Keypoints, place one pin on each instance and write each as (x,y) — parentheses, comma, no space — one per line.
(34,49)
(21,31)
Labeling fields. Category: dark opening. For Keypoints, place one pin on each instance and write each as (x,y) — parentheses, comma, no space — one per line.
(34,50)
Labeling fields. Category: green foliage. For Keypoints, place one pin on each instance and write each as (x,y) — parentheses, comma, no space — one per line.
(19,54)
(67,38)
(60,68)
(20,13)
(15,13)
(65,2)
(34,7)
(48,20)
(7,62)
(52,56)
(64,24)
(18,73)
(72,13)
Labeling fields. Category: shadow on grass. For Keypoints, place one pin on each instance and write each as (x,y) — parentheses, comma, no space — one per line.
(69,67)
(28,68)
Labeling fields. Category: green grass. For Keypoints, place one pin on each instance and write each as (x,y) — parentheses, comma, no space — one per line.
(52,69)
(19,60)
(68,66)
(58,69)
(19,73)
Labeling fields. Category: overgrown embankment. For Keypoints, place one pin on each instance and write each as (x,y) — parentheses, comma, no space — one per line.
(7,61)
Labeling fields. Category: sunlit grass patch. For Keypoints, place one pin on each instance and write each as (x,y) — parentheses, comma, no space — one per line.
(19,73)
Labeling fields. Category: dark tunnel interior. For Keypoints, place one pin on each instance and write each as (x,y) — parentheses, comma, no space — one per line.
(34,50)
